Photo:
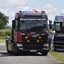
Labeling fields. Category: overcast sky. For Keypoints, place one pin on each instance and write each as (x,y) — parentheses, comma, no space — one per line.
(52,7)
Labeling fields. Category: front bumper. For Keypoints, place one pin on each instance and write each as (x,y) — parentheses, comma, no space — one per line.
(33,50)
(22,49)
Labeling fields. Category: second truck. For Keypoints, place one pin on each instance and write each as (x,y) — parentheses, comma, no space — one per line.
(59,35)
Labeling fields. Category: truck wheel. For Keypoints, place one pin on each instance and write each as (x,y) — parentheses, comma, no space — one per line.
(7,47)
(44,53)
(14,51)
(8,51)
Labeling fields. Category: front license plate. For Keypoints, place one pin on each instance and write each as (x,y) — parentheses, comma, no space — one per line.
(33,50)
(34,36)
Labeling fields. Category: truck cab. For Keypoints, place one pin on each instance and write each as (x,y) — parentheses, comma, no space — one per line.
(59,36)
(29,32)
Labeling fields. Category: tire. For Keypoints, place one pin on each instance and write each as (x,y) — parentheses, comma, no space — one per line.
(8,51)
(7,47)
(14,50)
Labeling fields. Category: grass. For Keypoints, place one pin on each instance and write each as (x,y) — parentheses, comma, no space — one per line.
(2,40)
(57,56)
(3,34)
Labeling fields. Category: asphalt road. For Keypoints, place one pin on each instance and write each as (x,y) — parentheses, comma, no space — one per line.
(6,58)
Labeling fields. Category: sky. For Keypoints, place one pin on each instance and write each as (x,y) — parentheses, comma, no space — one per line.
(51,7)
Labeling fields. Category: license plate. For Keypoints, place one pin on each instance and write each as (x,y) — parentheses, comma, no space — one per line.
(33,50)
(35,35)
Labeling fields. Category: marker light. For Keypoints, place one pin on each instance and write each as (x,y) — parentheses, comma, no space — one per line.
(34,10)
(26,37)
(26,11)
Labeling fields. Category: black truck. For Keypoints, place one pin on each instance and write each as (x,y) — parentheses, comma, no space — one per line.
(29,33)
(59,35)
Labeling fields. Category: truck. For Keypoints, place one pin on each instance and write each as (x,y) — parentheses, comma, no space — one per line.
(59,35)
(29,33)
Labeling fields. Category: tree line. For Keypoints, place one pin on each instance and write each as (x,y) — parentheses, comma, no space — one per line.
(3,20)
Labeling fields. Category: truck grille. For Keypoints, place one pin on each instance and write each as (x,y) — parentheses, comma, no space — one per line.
(33,46)
(59,38)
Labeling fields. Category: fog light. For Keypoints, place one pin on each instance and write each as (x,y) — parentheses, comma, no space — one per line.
(26,37)
(28,40)
(39,37)
(38,41)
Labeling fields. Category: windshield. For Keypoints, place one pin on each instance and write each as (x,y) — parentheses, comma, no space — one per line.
(32,24)
(59,26)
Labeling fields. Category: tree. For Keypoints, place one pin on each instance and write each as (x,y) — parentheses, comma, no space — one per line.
(3,20)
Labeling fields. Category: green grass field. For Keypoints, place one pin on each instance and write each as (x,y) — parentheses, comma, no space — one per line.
(57,56)
(3,34)
(2,40)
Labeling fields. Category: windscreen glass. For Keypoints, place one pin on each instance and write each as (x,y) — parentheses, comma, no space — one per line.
(27,24)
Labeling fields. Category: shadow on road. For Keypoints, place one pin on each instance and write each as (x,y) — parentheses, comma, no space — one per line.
(3,54)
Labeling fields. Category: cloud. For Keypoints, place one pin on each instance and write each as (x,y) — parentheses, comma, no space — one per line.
(49,8)
(12,3)
(51,11)
(62,12)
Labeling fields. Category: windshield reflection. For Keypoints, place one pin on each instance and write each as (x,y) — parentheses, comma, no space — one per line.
(31,25)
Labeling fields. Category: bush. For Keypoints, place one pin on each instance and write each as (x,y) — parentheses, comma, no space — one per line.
(2,33)
(5,32)
(8,33)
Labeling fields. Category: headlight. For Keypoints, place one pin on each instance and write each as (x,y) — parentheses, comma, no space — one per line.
(19,45)
(43,34)
(22,34)
(46,44)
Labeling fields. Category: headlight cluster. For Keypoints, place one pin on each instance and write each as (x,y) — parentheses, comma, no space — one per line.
(43,34)
(22,34)
(27,37)
(46,44)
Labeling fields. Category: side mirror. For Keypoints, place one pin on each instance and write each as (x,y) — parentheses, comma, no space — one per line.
(13,24)
(50,24)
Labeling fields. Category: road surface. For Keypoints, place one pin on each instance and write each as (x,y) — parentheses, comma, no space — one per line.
(6,58)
